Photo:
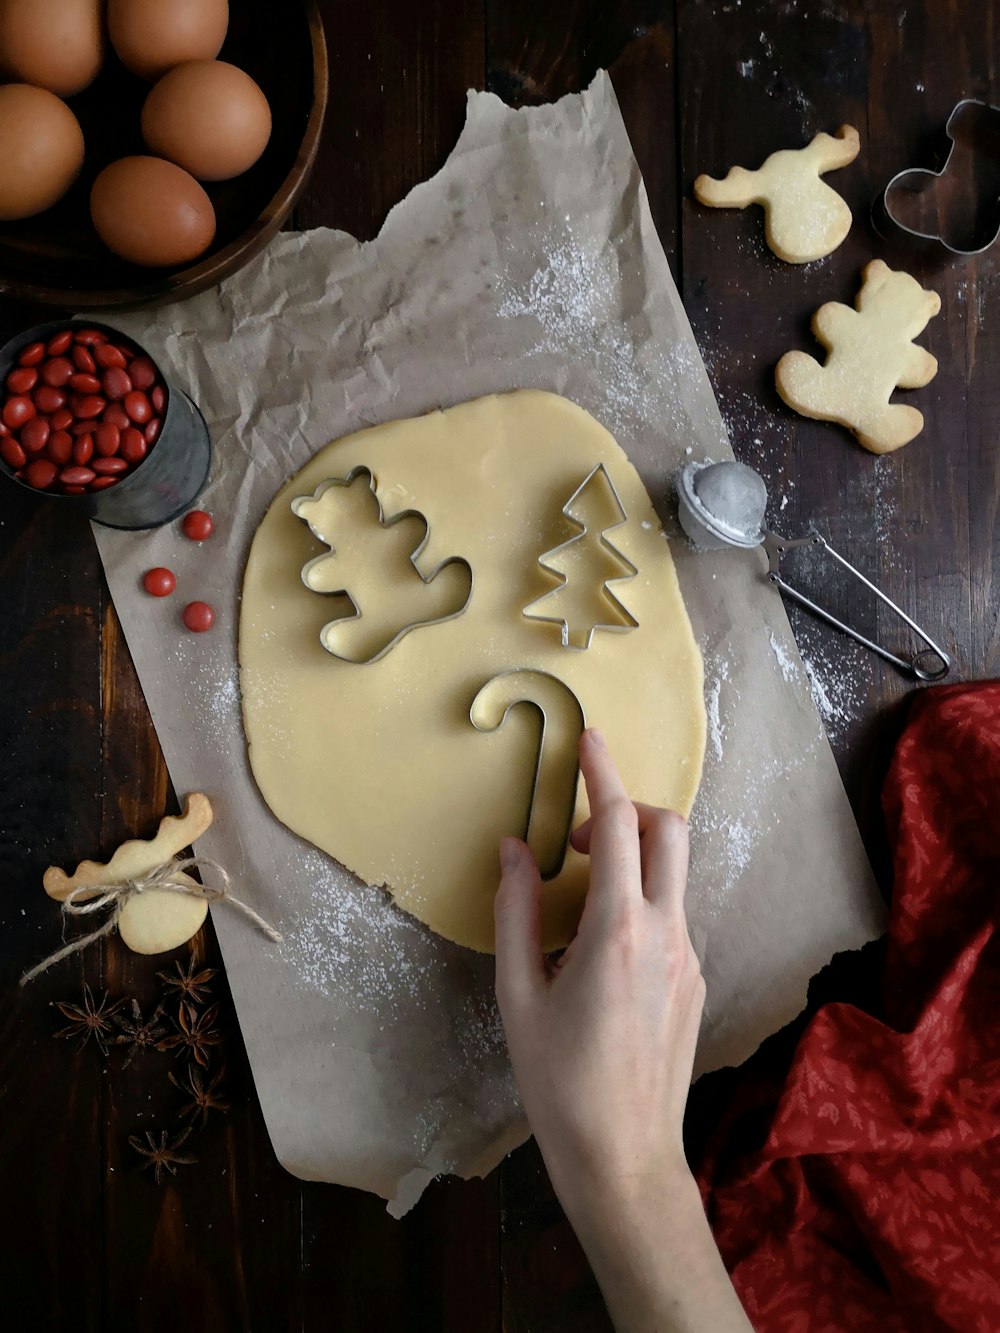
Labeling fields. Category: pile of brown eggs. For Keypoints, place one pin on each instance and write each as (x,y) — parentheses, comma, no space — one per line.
(203,119)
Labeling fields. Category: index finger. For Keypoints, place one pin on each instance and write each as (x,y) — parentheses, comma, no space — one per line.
(615,868)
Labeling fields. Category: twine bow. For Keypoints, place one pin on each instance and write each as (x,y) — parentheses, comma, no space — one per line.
(164,879)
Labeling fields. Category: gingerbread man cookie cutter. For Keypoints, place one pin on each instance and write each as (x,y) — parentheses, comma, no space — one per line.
(973,128)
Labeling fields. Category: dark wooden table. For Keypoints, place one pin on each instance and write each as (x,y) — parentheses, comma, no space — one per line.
(235,1242)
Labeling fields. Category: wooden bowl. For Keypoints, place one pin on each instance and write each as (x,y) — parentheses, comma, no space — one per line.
(58,259)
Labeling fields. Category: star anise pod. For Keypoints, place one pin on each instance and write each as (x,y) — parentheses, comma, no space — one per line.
(139,1033)
(204,1096)
(91,1019)
(191,981)
(194,1033)
(162,1156)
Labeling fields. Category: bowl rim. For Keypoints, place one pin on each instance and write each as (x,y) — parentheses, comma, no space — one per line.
(210,271)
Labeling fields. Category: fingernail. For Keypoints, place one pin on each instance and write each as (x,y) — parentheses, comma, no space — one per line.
(510,853)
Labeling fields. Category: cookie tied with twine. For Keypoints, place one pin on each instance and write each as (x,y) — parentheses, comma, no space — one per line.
(152,901)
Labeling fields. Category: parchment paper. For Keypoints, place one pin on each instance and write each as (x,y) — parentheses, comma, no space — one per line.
(529,261)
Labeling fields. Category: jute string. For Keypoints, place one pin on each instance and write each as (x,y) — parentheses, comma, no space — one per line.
(86,901)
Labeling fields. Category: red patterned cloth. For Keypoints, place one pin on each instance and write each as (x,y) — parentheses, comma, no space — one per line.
(874,1202)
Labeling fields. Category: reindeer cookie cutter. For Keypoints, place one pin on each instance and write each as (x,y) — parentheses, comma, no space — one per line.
(972,127)
(488,712)
(298,507)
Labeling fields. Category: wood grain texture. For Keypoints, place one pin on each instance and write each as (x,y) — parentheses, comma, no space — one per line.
(235,1242)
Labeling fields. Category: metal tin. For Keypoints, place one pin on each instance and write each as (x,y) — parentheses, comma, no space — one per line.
(169,478)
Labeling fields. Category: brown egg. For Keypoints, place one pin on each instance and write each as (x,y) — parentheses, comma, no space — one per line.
(151,212)
(42,150)
(208,117)
(151,36)
(55,44)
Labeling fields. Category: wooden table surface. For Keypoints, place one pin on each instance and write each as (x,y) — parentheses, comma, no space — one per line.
(234,1242)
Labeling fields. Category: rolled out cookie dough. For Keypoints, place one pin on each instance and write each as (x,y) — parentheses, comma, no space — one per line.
(378,764)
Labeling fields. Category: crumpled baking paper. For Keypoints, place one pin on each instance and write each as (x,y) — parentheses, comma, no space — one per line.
(529,261)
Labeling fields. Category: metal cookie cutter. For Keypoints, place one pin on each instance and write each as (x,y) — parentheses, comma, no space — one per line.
(299,510)
(626,621)
(545,692)
(723,504)
(962,221)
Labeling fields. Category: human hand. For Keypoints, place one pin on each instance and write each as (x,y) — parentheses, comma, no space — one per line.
(602,1044)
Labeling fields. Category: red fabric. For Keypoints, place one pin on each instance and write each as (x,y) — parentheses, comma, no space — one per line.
(874,1202)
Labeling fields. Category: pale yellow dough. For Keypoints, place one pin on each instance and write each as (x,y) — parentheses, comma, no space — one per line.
(379,764)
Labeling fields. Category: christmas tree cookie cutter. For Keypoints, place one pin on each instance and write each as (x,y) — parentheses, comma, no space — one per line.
(304,507)
(973,132)
(624,621)
(547,694)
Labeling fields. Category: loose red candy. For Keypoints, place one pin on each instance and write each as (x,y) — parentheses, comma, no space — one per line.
(72,490)
(4,430)
(32,354)
(47,399)
(83,427)
(137,407)
(159,582)
(40,473)
(107,439)
(59,342)
(158,398)
(86,406)
(35,434)
(152,432)
(108,467)
(83,449)
(90,337)
(106,356)
(22,380)
(16,411)
(198,617)
(198,525)
(133,447)
(82,359)
(116,384)
(57,372)
(102,483)
(59,449)
(143,372)
(76,476)
(61,420)
(84,383)
(12,453)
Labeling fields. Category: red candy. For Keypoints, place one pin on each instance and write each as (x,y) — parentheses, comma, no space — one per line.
(35,435)
(59,342)
(138,408)
(59,449)
(133,446)
(159,582)
(79,412)
(143,372)
(16,411)
(83,449)
(198,617)
(12,453)
(108,467)
(47,399)
(57,372)
(40,473)
(76,476)
(32,354)
(198,525)
(23,380)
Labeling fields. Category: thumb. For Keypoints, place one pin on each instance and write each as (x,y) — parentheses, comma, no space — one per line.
(518,920)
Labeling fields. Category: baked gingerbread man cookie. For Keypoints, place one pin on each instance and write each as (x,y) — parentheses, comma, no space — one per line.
(804,218)
(870,353)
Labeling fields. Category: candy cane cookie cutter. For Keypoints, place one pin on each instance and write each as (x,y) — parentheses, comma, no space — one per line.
(488,712)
